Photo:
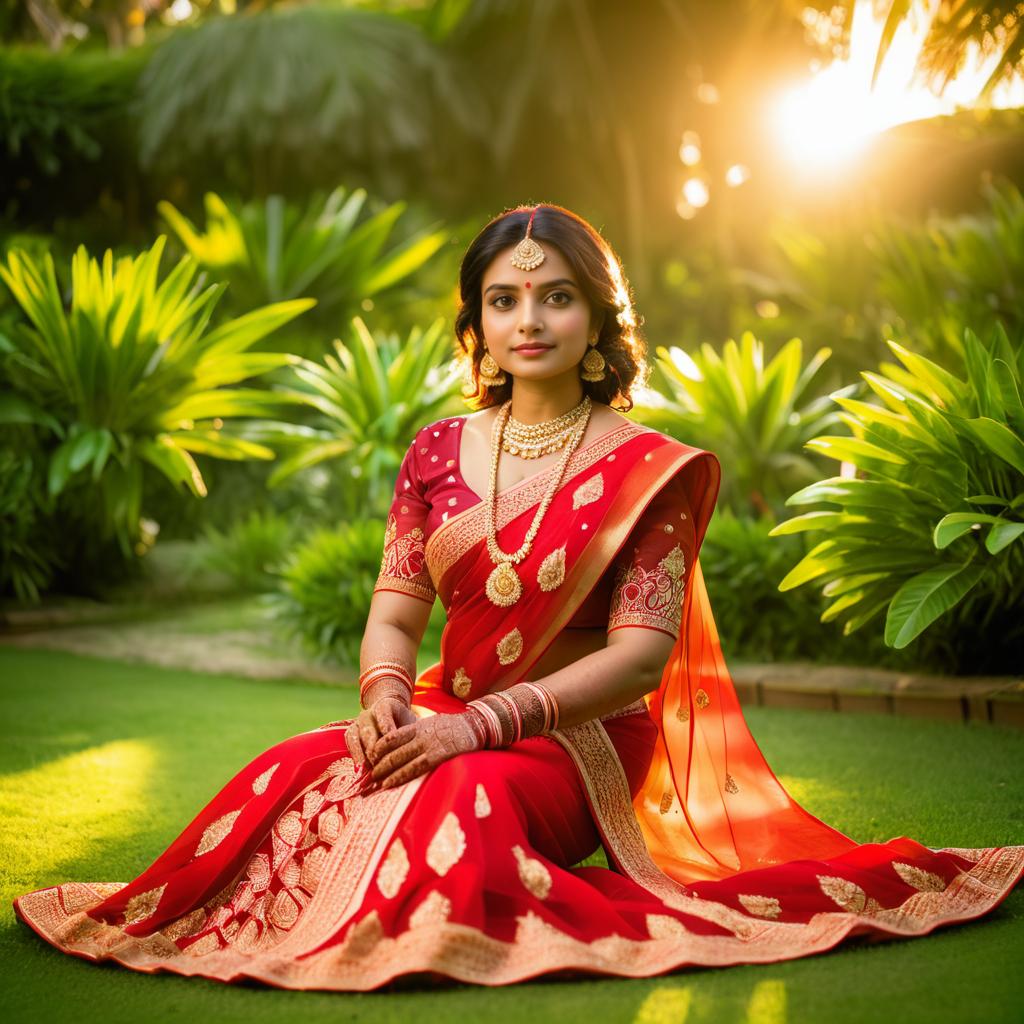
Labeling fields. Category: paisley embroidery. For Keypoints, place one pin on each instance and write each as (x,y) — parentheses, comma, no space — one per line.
(730,784)
(661,926)
(552,570)
(260,783)
(588,491)
(447,846)
(761,906)
(393,871)
(216,833)
(701,699)
(403,566)
(142,906)
(434,910)
(923,881)
(532,874)
(510,646)
(683,713)
(481,805)
(649,598)
(461,683)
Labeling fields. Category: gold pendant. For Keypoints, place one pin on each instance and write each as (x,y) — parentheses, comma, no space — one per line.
(504,587)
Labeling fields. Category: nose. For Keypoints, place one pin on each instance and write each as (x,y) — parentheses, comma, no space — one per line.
(529,322)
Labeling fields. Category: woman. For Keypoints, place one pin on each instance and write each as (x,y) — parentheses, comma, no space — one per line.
(581,699)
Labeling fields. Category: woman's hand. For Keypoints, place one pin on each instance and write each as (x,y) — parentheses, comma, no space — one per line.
(382,718)
(415,749)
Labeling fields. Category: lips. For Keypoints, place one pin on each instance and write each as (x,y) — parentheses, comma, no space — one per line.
(520,348)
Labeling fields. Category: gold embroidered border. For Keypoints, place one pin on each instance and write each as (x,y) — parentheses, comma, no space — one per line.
(367,959)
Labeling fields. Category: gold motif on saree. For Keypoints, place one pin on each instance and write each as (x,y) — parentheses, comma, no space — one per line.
(510,646)
(661,926)
(701,699)
(481,804)
(588,491)
(462,685)
(761,906)
(730,784)
(185,926)
(532,873)
(923,881)
(289,827)
(666,801)
(848,895)
(138,908)
(260,783)
(683,713)
(216,833)
(503,587)
(258,871)
(552,570)
(209,943)
(329,825)
(284,911)
(363,936)
(447,846)
(434,910)
(289,873)
(393,871)
(313,868)
(312,802)
(403,566)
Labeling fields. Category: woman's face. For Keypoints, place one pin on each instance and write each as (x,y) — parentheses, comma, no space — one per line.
(541,307)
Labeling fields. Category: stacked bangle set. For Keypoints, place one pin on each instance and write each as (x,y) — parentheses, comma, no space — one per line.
(394,671)
(523,710)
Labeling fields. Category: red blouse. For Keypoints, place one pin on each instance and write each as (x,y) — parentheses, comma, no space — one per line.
(643,586)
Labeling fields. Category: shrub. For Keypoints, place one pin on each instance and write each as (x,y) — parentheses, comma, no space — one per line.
(248,553)
(129,381)
(930,528)
(326,588)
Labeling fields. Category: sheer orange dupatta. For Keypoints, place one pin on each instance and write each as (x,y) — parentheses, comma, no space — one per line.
(710,806)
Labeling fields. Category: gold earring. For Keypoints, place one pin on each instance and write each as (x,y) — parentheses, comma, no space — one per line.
(491,374)
(593,363)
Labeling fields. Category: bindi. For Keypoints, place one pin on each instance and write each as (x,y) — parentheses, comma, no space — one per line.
(528,285)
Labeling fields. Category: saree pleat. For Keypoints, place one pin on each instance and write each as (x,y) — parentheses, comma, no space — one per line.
(301,873)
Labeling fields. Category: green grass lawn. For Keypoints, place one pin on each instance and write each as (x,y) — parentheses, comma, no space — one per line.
(104,762)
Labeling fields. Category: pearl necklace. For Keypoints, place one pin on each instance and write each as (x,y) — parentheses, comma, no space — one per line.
(504,586)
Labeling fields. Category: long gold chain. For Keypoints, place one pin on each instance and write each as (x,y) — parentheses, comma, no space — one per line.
(503,586)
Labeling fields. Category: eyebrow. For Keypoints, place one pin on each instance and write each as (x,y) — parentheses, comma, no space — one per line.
(546,284)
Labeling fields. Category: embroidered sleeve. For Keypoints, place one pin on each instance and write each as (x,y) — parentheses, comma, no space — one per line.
(651,568)
(403,567)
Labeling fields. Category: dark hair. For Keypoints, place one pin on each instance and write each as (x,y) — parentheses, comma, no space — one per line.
(600,278)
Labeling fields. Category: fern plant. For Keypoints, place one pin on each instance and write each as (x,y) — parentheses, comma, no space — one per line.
(930,526)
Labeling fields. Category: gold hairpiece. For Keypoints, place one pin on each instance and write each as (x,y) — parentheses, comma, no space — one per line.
(527,255)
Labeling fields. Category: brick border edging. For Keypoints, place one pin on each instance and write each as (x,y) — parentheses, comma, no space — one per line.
(993,700)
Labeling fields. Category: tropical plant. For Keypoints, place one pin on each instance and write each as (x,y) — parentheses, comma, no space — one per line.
(249,552)
(271,251)
(372,396)
(28,558)
(326,588)
(743,565)
(128,381)
(930,527)
(754,416)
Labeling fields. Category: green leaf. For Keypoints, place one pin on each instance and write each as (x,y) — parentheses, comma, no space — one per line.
(956,524)
(925,597)
(15,409)
(853,449)
(1002,536)
(998,439)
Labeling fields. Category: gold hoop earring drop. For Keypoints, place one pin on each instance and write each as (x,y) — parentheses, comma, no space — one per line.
(593,363)
(491,374)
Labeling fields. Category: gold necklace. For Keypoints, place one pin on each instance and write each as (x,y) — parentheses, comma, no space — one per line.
(533,440)
(504,586)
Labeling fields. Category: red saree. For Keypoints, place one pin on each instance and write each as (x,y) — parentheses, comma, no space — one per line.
(302,874)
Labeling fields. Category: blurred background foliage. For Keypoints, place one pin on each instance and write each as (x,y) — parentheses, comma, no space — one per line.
(798,191)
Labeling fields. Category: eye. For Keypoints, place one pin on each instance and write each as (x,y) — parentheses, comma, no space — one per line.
(565,295)
(494,302)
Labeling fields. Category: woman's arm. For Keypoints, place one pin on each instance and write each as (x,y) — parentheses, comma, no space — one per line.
(606,680)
